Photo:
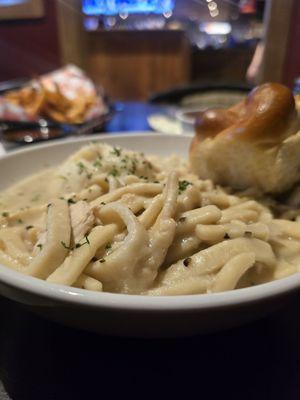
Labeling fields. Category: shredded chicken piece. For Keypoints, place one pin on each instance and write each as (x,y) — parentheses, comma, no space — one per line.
(82,220)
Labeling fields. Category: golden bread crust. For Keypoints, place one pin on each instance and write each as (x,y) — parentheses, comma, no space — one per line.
(245,145)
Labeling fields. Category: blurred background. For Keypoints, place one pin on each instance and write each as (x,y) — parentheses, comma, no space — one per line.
(141,64)
(171,51)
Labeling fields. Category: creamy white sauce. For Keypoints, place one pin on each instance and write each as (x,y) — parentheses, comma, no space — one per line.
(23,215)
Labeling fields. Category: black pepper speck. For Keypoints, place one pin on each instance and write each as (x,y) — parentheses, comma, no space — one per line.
(187,261)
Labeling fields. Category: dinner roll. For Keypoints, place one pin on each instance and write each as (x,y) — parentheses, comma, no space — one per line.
(254,144)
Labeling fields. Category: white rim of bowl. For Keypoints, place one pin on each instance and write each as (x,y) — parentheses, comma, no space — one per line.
(84,298)
(185,119)
(61,294)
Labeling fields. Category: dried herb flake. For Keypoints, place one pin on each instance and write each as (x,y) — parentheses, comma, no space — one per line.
(182,185)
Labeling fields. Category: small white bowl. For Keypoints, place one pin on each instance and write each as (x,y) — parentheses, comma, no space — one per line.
(186,120)
(127,315)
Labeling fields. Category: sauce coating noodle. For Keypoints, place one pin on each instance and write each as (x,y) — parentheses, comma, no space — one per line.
(110,219)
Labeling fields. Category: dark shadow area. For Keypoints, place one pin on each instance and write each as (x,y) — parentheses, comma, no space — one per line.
(43,360)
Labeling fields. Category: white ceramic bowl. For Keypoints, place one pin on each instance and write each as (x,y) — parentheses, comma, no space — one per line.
(186,120)
(128,315)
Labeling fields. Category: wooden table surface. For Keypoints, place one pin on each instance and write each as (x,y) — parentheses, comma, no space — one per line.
(42,360)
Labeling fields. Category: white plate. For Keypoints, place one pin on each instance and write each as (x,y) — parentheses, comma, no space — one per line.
(128,315)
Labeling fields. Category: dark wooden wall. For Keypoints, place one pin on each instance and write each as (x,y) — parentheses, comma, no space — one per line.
(222,65)
(130,65)
(133,65)
(292,63)
(29,47)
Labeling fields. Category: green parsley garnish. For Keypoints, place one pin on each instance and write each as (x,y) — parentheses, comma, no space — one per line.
(5,214)
(97,164)
(133,168)
(114,172)
(81,167)
(40,246)
(29,227)
(182,185)
(102,260)
(77,245)
(116,151)
(65,246)
(71,201)
(108,246)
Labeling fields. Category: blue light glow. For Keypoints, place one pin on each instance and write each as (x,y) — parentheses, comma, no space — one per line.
(11,2)
(114,7)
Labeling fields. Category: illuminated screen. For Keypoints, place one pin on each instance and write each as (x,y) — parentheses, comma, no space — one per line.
(11,2)
(113,7)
